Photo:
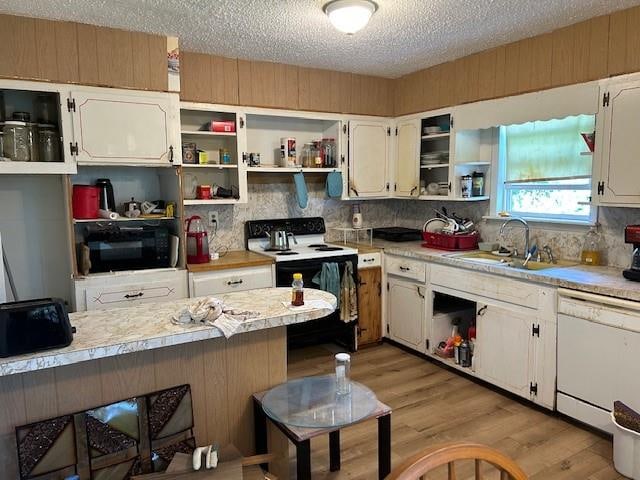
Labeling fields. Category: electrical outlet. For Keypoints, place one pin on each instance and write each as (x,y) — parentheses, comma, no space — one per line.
(213,219)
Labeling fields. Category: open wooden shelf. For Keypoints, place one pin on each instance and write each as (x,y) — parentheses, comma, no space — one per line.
(120,219)
(206,133)
(210,165)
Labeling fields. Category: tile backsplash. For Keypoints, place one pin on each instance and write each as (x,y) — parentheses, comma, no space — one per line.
(278,200)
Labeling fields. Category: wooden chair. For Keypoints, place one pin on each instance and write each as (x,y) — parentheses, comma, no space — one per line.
(416,467)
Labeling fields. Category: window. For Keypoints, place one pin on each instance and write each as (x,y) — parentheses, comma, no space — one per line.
(546,169)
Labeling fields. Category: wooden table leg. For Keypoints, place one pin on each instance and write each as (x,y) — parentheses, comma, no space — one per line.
(384,446)
(303,460)
(260,431)
(334,451)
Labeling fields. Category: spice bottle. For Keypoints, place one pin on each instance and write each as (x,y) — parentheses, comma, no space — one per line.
(297,290)
(591,250)
(343,372)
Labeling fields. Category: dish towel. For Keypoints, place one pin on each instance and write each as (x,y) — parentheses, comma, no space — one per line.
(301,190)
(348,296)
(212,311)
(334,184)
(328,279)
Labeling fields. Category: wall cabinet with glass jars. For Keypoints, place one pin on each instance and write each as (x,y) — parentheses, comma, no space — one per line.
(35,125)
(49,128)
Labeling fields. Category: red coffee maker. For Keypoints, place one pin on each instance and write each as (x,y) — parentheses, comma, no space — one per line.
(197,241)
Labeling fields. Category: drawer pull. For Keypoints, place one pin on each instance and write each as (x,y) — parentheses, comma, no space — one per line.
(134,295)
(368,260)
(404,269)
(234,282)
(482,311)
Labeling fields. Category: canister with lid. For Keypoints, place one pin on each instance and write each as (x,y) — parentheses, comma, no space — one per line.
(17,138)
(48,143)
(477,184)
(465,186)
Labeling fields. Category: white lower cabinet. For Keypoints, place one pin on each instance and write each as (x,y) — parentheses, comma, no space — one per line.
(125,289)
(231,280)
(504,347)
(406,312)
(515,321)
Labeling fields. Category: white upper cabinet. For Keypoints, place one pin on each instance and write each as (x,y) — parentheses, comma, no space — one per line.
(368,158)
(126,127)
(407,159)
(618,145)
(43,103)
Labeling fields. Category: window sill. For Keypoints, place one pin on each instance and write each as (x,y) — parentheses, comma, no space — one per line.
(544,221)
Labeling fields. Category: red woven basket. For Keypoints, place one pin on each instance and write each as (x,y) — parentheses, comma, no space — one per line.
(443,241)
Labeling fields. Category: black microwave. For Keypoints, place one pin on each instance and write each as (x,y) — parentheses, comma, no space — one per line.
(117,248)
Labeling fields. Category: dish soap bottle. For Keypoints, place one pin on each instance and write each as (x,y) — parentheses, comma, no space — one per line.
(297,291)
(591,250)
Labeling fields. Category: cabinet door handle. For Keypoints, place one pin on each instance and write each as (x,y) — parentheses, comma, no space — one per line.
(482,311)
(134,295)
(404,269)
(234,282)
(241,122)
(419,291)
(171,154)
(368,260)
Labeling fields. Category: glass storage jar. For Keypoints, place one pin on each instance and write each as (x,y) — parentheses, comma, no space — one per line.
(17,136)
(48,143)
(329,152)
(307,156)
(45,109)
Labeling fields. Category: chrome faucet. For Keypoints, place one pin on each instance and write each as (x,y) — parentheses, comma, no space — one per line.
(526,232)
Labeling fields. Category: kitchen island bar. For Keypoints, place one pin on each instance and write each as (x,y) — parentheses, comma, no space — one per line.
(122,353)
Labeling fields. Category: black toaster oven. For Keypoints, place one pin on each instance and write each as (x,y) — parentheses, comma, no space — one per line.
(34,325)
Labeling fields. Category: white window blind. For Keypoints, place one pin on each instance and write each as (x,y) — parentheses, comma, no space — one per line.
(549,150)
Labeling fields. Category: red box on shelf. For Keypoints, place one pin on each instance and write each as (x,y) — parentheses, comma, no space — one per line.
(220,126)
(442,241)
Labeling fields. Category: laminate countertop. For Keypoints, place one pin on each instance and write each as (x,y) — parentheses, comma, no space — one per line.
(598,280)
(107,333)
(231,260)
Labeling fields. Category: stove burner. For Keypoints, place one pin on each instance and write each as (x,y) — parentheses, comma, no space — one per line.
(318,245)
(328,249)
(287,252)
(276,250)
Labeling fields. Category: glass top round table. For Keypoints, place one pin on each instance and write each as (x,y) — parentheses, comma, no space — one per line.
(312,402)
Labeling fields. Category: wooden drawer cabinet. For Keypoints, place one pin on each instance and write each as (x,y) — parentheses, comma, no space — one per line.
(405,267)
(234,280)
(369,305)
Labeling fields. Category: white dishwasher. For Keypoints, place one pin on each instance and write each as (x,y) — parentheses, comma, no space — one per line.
(598,356)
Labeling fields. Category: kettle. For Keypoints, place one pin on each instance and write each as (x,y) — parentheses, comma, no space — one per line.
(197,241)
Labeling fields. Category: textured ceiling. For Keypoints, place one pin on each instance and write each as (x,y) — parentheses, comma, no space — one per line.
(403,36)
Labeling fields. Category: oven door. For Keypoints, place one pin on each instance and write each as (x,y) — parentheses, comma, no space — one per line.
(323,330)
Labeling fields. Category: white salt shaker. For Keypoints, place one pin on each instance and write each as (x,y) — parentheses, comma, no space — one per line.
(343,372)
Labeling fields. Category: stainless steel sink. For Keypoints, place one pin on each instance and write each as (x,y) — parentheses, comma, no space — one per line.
(488,258)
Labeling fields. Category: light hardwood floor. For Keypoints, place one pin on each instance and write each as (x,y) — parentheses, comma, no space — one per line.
(433,405)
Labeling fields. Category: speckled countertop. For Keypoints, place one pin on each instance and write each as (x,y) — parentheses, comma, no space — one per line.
(599,280)
(107,333)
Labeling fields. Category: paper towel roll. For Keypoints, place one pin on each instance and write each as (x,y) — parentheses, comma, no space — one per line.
(108,214)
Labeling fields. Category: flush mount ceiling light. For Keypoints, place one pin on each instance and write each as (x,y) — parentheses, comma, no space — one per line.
(350,16)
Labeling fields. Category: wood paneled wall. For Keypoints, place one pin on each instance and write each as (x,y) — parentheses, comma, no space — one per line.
(597,48)
(68,52)
(211,79)
(223,375)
